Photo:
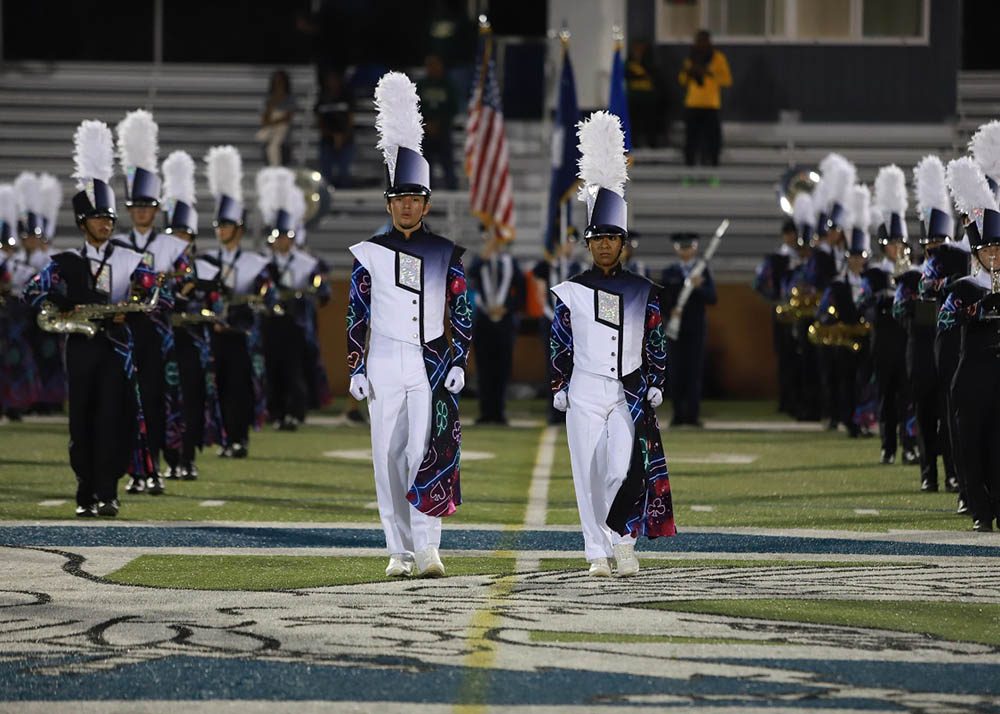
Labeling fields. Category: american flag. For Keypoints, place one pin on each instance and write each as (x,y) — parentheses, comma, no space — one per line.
(491,196)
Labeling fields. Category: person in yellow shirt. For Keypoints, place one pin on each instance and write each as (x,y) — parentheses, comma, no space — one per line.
(705,73)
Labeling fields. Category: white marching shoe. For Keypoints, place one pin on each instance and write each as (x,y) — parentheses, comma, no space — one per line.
(600,568)
(628,564)
(399,567)
(429,563)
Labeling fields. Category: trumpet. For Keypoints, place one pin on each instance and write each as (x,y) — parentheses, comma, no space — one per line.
(194,318)
(254,301)
(81,320)
(840,334)
(800,305)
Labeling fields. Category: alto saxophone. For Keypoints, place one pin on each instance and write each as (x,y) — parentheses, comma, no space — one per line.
(81,320)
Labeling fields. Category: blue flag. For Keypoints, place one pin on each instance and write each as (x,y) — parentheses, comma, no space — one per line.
(618,102)
(565,155)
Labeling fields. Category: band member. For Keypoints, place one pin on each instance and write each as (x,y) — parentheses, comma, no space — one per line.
(608,357)
(297,276)
(315,295)
(770,276)
(401,284)
(156,356)
(686,354)
(916,305)
(973,306)
(948,262)
(629,260)
(500,293)
(198,306)
(247,287)
(555,268)
(104,404)
(19,383)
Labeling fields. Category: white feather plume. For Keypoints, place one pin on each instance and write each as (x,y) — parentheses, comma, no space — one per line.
(929,184)
(860,206)
(8,206)
(839,175)
(602,154)
(178,177)
(877,219)
(968,186)
(93,152)
(276,190)
(224,168)
(29,192)
(890,191)
(819,198)
(397,115)
(985,147)
(803,212)
(137,141)
(51,197)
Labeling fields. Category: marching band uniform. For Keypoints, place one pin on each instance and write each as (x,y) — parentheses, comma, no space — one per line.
(769,278)
(686,354)
(410,374)
(155,347)
(244,277)
(608,366)
(973,307)
(199,295)
(19,383)
(103,394)
(500,293)
(916,305)
(551,271)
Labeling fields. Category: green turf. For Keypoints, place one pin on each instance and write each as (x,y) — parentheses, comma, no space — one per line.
(803,480)
(956,621)
(275,572)
(646,562)
(625,638)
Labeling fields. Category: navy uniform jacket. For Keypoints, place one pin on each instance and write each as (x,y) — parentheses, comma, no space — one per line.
(693,318)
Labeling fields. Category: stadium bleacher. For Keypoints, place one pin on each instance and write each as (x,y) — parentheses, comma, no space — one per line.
(198,106)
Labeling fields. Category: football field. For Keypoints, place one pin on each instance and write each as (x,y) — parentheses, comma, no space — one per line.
(805,576)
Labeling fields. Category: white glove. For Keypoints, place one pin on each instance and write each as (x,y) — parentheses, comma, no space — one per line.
(560,400)
(455,381)
(654,396)
(359,386)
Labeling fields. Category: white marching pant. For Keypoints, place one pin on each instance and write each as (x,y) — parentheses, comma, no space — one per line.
(600,432)
(399,404)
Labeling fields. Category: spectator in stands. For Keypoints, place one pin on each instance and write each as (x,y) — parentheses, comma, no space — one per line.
(275,131)
(335,119)
(439,103)
(705,73)
(643,88)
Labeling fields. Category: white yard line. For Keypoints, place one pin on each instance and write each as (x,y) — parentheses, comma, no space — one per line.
(538,491)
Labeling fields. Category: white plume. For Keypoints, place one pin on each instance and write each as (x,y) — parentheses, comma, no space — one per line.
(276,190)
(890,191)
(859,206)
(225,172)
(802,210)
(29,192)
(137,135)
(839,175)
(819,198)
(51,197)
(8,206)
(93,152)
(928,180)
(602,154)
(178,177)
(985,147)
(968,186)
(397,115)
(876,215)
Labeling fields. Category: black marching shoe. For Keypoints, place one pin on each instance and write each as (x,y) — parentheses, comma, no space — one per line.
(225,452)
(951,484)
(238,451)
(86,511)
(910,457)
(929,486)
(136,485)
(189,472)
(154,485)
(963,507)
(887,457)
(982,525)
(289,424)
(174,472)
(108,508)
